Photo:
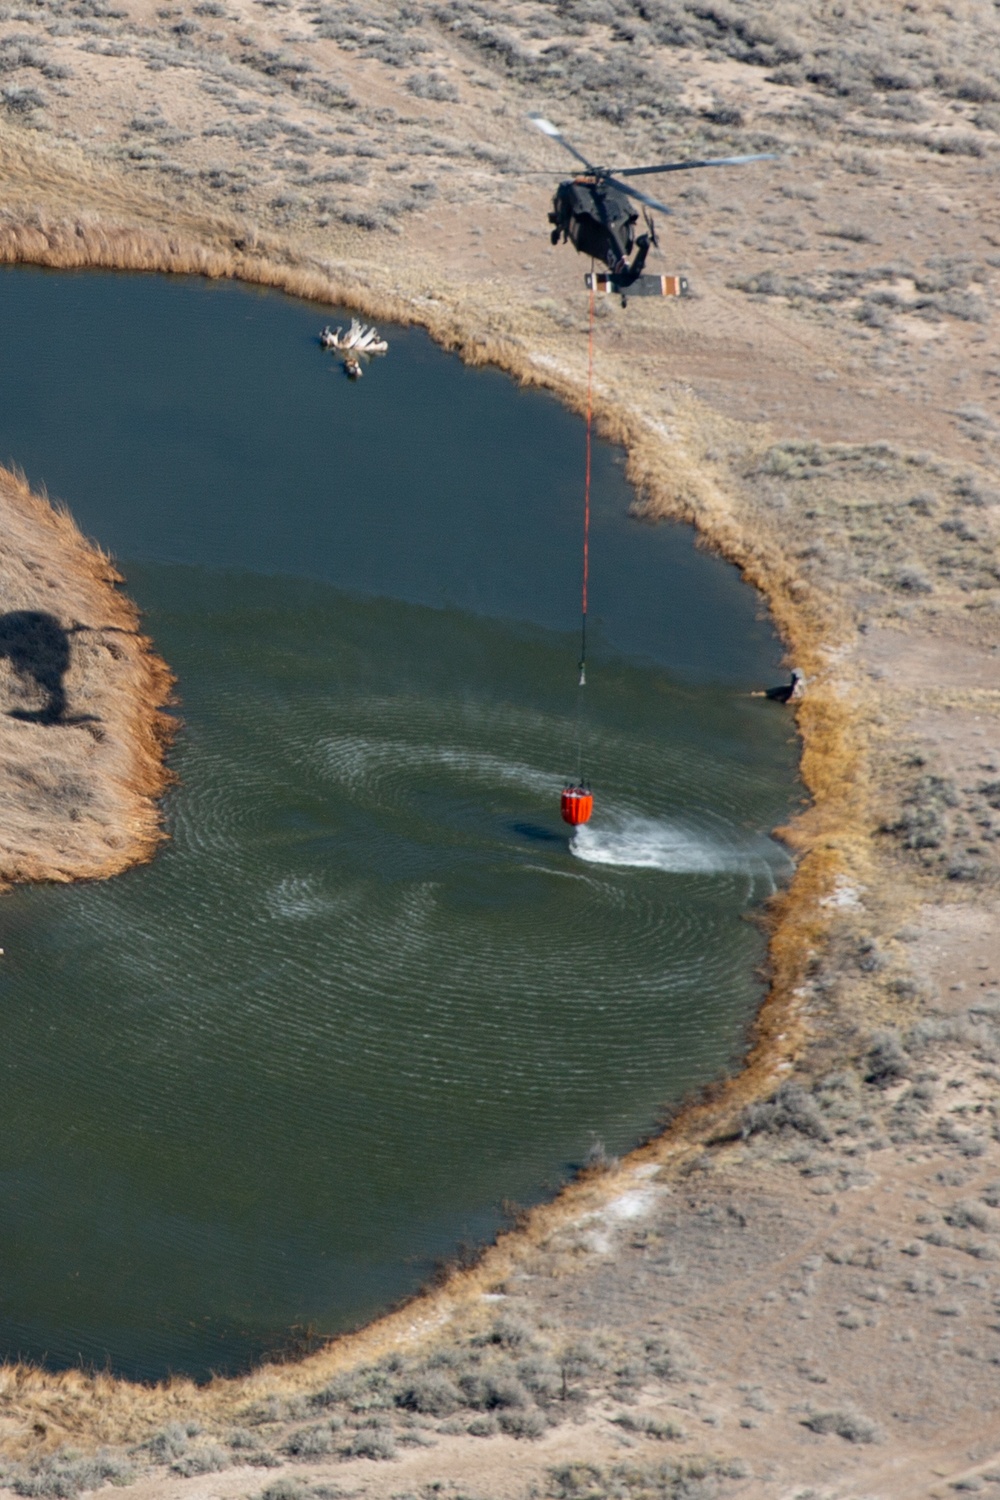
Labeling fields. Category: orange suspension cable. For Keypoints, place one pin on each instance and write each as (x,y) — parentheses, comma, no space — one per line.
(586,485)
(584,816)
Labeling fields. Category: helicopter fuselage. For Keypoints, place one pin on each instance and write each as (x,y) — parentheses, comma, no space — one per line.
(594,212)
(597,219)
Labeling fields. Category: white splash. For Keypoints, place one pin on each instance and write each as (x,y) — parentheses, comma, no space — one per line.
(632,1205)
(844,895)
(679,849)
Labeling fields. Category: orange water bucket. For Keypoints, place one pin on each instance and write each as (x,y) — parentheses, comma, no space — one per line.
(577,804)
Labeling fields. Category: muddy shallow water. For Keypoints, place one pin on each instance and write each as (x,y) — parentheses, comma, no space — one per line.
(371,989)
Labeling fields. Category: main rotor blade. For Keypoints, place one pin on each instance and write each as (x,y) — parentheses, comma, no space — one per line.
(687,166)
(547,128)
(623,187)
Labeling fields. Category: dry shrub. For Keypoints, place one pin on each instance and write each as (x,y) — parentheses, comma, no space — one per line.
(432,1395)
(846,1422)
(510,1332)
(598,1159)
(64,1475)
(790,1109)
(285,1489)
(372,1442)
(207,1458)
(309,1442)
(645,1425)
(690,1478)
(886,1063)
(522,1424)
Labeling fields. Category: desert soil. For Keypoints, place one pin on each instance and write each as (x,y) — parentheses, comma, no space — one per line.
(794,1292)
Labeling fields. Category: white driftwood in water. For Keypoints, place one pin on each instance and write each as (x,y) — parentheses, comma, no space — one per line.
(369,341)
(360,337)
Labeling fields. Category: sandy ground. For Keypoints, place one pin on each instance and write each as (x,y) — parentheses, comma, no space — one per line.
(794,1298)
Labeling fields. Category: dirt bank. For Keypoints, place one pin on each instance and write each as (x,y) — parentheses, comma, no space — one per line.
(82,731)
(826,410)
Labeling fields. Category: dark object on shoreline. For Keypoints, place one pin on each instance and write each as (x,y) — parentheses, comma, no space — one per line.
(788,692)
(592,211)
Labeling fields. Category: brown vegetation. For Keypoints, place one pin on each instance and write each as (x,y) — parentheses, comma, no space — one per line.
(82,733)
(826,412)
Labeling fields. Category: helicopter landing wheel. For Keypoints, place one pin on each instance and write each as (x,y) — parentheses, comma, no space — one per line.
(624,300)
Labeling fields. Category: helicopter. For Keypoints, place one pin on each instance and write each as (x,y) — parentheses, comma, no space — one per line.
(594,213)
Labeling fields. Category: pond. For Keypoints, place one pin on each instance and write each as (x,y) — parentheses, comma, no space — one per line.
(371,990)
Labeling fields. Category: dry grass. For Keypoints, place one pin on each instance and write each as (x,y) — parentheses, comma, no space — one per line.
(837,526)
(79,796)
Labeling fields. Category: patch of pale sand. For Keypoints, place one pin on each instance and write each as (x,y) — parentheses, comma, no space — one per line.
(914,661)
(631,1205)
(960,741)
(596,1231)
(957,950)
(941,696)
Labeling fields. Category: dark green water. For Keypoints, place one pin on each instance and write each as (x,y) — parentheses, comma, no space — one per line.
(369,990)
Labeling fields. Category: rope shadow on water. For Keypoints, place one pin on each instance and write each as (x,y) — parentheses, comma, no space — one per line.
(537,833)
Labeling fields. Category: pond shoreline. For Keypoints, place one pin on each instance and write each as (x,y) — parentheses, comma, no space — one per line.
(794,918)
